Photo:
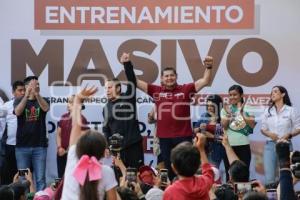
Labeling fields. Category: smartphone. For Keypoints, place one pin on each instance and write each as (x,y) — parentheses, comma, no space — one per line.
(272,194)
(22,172)
(131,176)
(164,175)
(242,188)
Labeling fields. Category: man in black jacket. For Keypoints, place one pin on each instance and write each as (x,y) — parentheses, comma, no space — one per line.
(120,116)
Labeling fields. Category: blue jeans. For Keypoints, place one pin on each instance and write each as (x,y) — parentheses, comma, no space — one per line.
(271,162)
(35,157)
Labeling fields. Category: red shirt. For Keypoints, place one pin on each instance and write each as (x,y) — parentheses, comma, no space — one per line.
(173,110)
(192,188)
(65,123)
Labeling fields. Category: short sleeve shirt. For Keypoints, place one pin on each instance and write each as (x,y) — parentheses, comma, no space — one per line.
(65,123)
(31,131)
(71,189)
(173,109)
(238,137)
(285,121)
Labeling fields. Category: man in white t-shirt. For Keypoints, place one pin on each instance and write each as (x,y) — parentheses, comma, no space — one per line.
(10,122)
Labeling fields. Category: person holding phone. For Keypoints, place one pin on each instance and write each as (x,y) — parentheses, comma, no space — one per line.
(24,175)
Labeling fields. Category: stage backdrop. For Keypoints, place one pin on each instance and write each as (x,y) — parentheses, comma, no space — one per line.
(70,43)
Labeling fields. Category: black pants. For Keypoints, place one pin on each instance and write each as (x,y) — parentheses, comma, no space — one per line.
(243,152)
(61,165)
(166,146)
(133,155)
(9,168)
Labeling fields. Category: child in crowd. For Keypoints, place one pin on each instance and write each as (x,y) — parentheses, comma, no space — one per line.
(185,159)
(85,176)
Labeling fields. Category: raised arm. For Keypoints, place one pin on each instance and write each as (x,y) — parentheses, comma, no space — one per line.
(76,113)
(125,59)
(285,175)
(229,151)
(142,85)
(42,102)
(200,144)
(36,92)
(20,104)
(202,82)
(131,86)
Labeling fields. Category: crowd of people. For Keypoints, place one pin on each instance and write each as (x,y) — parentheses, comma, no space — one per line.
(189,157)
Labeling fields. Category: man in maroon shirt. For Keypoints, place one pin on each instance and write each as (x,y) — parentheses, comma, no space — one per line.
(173,108)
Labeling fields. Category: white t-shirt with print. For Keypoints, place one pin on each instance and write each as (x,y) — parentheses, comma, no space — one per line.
(71,190)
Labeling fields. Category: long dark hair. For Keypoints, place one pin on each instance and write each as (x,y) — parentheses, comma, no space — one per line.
(239,89)
(286,98)
(218,104)
(92,143)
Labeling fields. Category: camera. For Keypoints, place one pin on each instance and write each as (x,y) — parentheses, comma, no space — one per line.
(295,166)
(115,143)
